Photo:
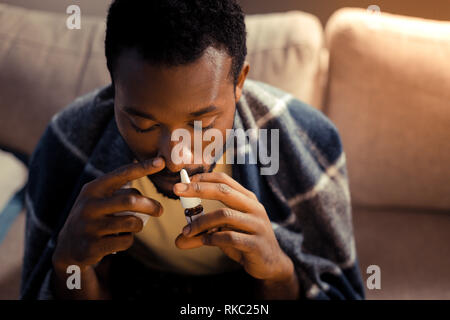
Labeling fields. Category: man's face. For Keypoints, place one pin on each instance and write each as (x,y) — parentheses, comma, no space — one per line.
(160,99)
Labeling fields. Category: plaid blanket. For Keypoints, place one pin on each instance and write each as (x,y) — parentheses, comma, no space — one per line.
(307,200)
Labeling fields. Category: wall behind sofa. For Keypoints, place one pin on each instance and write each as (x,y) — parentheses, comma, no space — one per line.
(432,9)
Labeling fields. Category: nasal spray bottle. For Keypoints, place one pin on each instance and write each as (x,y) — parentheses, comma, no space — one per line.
(192,206)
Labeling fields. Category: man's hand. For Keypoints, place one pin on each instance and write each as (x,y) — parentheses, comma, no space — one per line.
(92,231)
(242,231)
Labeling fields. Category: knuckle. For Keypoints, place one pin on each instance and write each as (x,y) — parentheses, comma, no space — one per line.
(86,187)
(128,223)
(133,224)
(126,170)
(140,164)
(129,200)
(145,165)
(226,213)
(87,207)
(261,207)
(253,195)
(196,187)
(237,240)
(259,225)
(233,238)
(119,173)
(224,188)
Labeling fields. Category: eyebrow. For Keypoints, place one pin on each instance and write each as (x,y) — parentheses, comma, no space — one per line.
(202,111)
(135,112)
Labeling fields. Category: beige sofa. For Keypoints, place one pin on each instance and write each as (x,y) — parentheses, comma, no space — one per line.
(384,80)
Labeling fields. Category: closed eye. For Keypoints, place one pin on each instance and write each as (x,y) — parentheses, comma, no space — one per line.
(155,126)
(204,128)
(139,130)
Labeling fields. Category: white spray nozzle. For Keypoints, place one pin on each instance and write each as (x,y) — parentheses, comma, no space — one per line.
(188,203)
(184,176)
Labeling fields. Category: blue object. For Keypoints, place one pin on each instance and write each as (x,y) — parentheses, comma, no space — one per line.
(12,209)
(10,212)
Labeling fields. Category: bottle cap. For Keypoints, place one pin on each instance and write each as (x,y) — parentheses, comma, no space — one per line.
(188,203)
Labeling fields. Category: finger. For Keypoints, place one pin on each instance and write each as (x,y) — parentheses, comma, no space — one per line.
(112,181)
(218,191)
(126,200)
(225,218)
(131,191)
(240,241)
(127,191)
(183,242)
(220,177)
(110,244)
(113,225)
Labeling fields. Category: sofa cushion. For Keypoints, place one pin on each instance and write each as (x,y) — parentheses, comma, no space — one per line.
(44,65)
(389,95)
(410,247)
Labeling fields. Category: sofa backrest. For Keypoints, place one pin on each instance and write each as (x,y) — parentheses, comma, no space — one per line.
(44,65)
(389,95)
(287,51)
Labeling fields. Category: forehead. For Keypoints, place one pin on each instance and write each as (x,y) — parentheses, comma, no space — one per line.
(203,81)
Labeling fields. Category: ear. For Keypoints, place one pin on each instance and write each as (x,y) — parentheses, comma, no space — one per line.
(241,80)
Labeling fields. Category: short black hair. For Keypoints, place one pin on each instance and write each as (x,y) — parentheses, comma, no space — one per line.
(176,32)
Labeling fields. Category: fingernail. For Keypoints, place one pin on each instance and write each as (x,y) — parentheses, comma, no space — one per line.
(180,187)
(187,229)
(157,162)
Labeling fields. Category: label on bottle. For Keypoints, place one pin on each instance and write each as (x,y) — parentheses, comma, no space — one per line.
(193,213)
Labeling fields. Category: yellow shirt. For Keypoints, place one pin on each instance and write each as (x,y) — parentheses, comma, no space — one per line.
(159,235)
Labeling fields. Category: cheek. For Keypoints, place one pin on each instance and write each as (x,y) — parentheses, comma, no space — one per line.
(226,122)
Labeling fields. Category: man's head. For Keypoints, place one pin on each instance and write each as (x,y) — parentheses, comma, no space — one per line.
(173,63)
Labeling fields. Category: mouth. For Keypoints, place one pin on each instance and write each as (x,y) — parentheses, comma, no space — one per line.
(166,179)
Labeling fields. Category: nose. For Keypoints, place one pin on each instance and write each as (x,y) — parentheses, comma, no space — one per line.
(177,154)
